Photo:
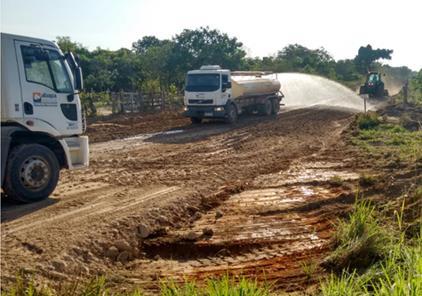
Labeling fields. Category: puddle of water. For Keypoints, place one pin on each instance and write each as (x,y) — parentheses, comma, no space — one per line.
(135,140)
(150,135)
(311,172)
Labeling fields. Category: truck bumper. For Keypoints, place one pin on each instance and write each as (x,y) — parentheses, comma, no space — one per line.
(77,151)
(205,111)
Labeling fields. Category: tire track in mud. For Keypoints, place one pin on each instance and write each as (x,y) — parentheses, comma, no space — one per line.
(173,183)
(267,233)
(101,206)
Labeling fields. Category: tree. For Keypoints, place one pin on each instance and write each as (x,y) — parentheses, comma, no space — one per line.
(66,44)
(156,64)
(142,45)
(367,56)
(204,46)
(302,59)
(346,70)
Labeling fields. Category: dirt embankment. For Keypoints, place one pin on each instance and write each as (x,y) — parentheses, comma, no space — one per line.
(256,199)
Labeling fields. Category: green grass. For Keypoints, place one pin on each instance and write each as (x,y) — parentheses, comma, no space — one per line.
(398,272)
(224,286)
(390,141)
(309,268)
(360,240)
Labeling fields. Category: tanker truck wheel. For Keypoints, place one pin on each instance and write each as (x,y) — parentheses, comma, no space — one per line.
(231,114)
(267,108)
(32,173)
(276,106)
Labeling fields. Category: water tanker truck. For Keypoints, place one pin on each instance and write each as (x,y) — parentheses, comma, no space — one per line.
(212,92)
(41,118)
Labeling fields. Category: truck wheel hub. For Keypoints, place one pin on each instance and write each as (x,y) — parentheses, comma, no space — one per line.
(34,173)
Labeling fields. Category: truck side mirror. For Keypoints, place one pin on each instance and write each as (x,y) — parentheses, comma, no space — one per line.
(79,84)
(225,86)
(76,69)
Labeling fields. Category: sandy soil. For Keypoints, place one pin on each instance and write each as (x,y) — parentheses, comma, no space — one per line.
(175,200)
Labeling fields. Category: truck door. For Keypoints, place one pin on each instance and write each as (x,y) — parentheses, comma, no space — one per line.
(226,85)
(47,90)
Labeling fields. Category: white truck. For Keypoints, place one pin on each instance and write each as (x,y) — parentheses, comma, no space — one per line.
(41,118)
(212,92)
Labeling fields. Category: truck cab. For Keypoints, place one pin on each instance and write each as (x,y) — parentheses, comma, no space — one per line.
(207,93)
(210,92)
(41,118)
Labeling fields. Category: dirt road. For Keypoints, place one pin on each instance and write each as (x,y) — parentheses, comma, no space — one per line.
(256,199)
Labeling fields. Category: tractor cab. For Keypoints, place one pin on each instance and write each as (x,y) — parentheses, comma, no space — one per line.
(374,86)
(373,78)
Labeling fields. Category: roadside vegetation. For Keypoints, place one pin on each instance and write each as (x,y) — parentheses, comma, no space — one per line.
(414,95)
(391,141)
(374,257)
(155,65)
(224,286)
(378,248)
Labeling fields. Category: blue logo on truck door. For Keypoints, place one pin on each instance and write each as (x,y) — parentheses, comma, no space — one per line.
(44,99)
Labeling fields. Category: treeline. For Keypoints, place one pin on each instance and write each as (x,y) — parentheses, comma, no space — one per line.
(160,65)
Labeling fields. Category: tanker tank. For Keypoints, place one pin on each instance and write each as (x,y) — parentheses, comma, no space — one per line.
(254,87)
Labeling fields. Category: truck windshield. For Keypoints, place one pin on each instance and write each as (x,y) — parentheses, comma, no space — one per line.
(46,67)
(202,82)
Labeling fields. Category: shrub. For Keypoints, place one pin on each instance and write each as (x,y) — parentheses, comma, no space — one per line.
(368,121)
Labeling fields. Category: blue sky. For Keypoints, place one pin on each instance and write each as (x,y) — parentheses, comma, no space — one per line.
(264,26)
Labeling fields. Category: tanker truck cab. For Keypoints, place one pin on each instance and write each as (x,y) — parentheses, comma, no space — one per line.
(212,92)
(41,118)
(207,93)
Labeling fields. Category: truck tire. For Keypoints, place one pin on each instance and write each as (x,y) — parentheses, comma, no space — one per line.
(231,114)
(275,106)
(267,108)
(32,173)
(196,120)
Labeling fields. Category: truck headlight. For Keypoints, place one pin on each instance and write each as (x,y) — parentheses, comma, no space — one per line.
(185,108)
(219,109)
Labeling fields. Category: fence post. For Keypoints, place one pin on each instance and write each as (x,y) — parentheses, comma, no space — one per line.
(162,101)
(121,107)
(364,104)
(132,107)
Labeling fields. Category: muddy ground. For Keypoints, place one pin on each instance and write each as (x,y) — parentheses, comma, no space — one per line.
(255,199)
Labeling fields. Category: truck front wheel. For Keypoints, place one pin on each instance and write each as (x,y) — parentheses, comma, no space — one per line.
(32,173)
(231,116)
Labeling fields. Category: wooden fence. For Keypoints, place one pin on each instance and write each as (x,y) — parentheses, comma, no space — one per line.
(131,102)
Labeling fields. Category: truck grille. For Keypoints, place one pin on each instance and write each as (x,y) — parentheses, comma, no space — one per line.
(200,101)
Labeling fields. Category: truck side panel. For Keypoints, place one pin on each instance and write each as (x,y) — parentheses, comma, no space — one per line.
(11,95)
(6,139)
